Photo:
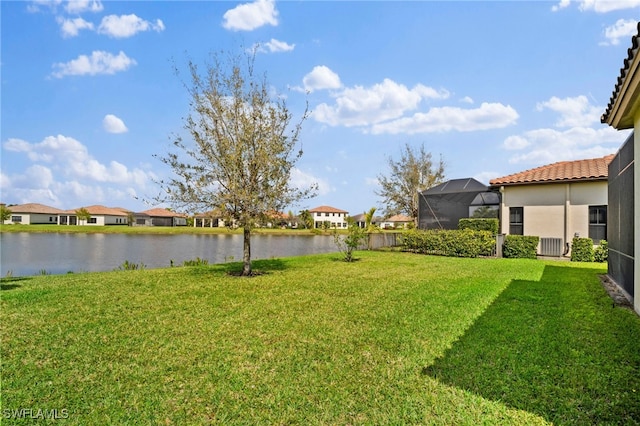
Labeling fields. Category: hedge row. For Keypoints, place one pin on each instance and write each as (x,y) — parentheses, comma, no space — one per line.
(490,225)
(520,246)
(582,250)
(454,243)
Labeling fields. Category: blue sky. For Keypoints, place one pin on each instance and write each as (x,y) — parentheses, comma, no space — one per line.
(89,94)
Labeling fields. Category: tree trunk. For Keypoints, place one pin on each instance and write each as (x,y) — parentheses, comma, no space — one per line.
(246,257)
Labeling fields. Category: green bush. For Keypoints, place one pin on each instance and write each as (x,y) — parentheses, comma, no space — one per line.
(196,262)
(601,252)
(520,246)
(453,243)
(486,224)
(582,250)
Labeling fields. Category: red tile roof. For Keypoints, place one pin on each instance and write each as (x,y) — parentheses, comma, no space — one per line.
(563,171)
(327,209)
(160,212)
(399,218)
(99,211)
(34,208)
(620,89)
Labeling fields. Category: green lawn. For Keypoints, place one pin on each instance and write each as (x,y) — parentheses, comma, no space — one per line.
(394,338)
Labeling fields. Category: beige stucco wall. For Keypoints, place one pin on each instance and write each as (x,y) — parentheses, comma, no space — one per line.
(35,218)
(556,210)
(337,220)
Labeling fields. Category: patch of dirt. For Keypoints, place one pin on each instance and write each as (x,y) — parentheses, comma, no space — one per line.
(616,294)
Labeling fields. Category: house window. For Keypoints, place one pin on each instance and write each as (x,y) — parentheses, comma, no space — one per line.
(597,223)
(326,215)
(516,220)
(92,220)
(16,218)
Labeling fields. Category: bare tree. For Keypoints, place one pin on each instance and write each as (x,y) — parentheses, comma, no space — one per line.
(412,173)
(241,149)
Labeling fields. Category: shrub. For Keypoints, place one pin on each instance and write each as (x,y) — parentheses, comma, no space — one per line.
(486,224)
(196,262)
(131,266)
(520,246)
(582,250)
(348,243)
(454,243)
(601,252)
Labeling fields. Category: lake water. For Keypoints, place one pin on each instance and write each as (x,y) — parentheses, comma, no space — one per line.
(25,253)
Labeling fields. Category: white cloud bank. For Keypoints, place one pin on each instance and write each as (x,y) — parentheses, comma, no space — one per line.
(80,6)
(72,27)
(444,119)
(599,6)
(578,135)
(366,106)
(125,26)
(249,16)
(321,77)
(622,29)
(65,173)
(100,62)
(383,108)
(113,124)
(302,180)
(274,46)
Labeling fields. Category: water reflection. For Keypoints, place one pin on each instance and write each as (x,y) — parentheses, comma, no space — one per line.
(30,253)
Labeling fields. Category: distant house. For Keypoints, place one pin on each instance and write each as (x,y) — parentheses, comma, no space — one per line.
(556,202)
(100,216)
(442,206)
(328,216)
(211,219)
(398,221)
(360,220)
(160,217)
(33,214)
(623,112)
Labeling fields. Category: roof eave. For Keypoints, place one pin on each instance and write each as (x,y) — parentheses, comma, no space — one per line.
(625,102)
(543,182)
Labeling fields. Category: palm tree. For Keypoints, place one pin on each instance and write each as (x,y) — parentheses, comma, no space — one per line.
(368,218)
(306,218)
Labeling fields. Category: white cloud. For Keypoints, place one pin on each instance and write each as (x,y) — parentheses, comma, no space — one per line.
(249,16)
(573,111)
(79,6)
(302,180)
(599,6)
(467,100)
(360,106)
(515,142)
(124,26)
(444,119)
(563,4)
(113,124)
(71,27)
(485,177)
(64,174)
(621,29)
(321,77)
(580,135)
(99,62)
(549,145)
(274,46)
(371,181)
(72,159)
(604,6)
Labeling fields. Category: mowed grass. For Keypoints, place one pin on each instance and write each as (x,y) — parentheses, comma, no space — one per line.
(394,338)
